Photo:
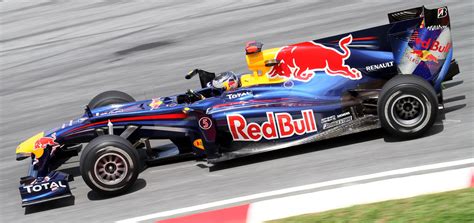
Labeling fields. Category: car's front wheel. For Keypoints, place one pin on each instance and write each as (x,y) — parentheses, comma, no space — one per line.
(109,98)
(407,106)
(109,165)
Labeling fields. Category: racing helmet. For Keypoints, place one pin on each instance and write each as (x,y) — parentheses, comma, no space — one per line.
(226,80)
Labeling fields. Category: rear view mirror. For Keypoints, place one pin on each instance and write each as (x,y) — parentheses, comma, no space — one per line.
(253,47)
(271,63)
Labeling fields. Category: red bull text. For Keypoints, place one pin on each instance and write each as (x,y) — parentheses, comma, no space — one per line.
(278,125)
(433,45)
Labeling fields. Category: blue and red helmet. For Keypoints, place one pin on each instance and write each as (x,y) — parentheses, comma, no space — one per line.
(226,80)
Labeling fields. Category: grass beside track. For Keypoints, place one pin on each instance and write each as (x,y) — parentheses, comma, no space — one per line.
(453,206)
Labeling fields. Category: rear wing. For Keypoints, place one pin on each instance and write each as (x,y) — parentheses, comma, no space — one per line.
(422,39)
(438,16)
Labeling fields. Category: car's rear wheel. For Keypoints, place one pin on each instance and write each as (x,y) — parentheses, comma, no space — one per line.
(109,98)
(109,165)
(407,106)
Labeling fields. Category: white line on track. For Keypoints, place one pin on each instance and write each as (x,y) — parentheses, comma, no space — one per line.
(297,189)
(448,121)
(172,168)
(357,194)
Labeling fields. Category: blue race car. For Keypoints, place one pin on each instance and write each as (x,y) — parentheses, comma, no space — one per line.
(387,76)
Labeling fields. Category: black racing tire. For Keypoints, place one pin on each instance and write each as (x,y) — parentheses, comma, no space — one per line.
(407,106)
(105,158)
(109,98)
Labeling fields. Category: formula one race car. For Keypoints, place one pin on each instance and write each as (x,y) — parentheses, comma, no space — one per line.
(387,76)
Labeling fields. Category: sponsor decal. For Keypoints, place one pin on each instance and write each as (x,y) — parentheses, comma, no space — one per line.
(433,45)
(328,119)
(442,12)
(335,120)
(435,27)
(423,55)
(171,104)
(115,111)
(205,123)
(81,120)
(288,84)
(376,67)
(44,142)
(198,144)
(278,125)
(238,94)
(73,121)
(44,186)
(427,48)
(300,61)
(155,103)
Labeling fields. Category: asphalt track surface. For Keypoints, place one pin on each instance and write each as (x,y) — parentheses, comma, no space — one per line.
(55,56)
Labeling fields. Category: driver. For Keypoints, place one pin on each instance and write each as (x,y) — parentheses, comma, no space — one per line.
(228,81)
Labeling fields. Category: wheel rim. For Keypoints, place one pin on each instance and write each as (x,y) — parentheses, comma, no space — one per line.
(408,110)
(110,168)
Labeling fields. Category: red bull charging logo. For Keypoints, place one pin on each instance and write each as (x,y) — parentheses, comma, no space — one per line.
(300,61)
(425,55)
(44,142)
